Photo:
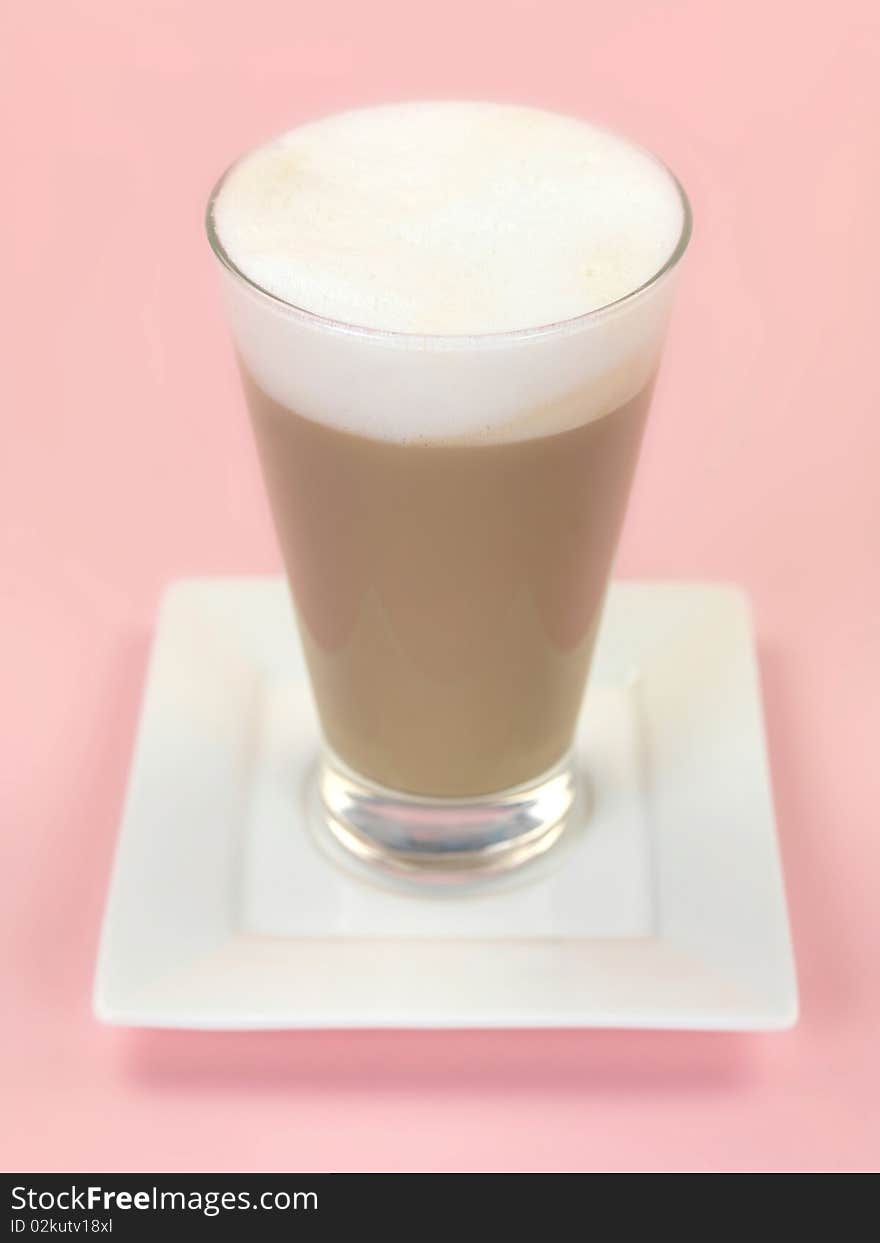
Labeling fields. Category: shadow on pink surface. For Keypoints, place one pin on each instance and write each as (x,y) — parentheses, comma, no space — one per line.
(510,1062)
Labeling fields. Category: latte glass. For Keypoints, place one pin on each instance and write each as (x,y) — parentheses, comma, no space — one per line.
(448,588)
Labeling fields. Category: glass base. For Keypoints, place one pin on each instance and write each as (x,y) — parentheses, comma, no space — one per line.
(444,840)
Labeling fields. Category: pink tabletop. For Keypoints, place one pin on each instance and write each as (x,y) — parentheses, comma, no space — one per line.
(126,462)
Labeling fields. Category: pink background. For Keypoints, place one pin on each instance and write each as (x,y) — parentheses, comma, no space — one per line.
(126,461)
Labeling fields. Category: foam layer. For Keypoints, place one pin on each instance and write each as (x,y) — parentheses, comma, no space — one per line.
(448,219)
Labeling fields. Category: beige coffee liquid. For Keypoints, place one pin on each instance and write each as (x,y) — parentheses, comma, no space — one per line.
(448,637)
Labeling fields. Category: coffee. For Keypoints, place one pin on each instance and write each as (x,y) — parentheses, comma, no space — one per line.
(448,318)
(448,636)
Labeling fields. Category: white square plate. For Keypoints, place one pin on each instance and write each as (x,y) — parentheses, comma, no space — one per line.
(663,907)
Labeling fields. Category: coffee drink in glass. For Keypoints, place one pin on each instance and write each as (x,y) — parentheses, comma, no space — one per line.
(448,318)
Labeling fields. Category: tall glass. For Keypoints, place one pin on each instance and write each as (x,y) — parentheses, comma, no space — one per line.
(448,588)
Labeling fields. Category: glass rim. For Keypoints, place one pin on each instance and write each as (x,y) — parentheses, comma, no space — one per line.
(454,338)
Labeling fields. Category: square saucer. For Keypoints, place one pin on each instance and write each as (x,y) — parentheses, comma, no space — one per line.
(662,907)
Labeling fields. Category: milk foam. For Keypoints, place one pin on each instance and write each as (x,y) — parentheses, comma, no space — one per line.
(441,222)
